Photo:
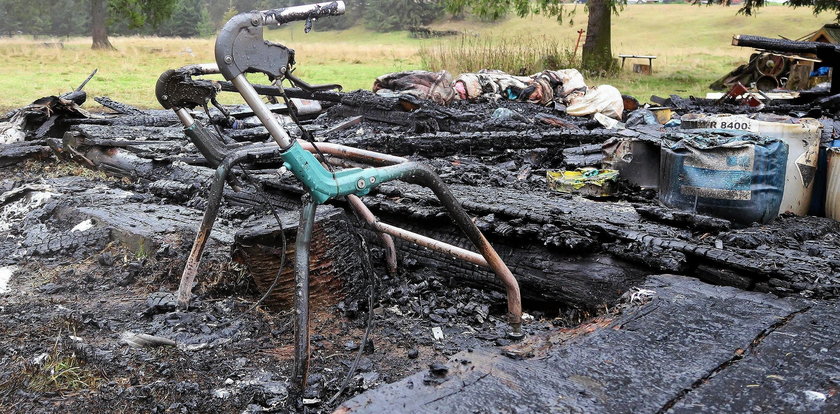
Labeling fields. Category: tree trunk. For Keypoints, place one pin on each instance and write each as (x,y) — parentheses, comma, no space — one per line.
(597,50)
(99,27)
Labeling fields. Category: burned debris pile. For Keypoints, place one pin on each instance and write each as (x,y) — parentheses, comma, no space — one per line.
(563,249)
(575,197)
(498,171)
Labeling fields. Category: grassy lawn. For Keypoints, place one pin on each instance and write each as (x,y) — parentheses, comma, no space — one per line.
(693,45)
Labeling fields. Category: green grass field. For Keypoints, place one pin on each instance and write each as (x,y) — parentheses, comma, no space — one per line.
(692,42)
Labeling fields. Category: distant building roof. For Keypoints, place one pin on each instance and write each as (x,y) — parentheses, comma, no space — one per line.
(829,33)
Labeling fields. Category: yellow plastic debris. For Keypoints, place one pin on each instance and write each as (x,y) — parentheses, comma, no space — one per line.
(588,182)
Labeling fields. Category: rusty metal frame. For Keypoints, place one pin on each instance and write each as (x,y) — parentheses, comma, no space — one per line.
(406,170)
(246,30)
(217,189)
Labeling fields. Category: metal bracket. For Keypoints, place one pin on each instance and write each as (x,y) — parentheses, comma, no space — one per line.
(240,48)
(174,89)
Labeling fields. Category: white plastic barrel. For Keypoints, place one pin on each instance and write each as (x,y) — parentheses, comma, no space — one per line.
(802,137)
(832,187)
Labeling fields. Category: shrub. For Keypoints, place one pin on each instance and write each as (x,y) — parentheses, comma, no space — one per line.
(518,56)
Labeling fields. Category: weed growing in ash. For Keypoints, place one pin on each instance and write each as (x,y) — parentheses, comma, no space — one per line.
(60,374)
(59,370)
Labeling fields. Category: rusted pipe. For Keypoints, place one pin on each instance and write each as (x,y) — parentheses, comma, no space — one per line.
(422,174)
(431,243)
(210,214)
(390,250)
(377,159)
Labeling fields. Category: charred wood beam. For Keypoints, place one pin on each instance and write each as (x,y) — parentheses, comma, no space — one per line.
(583,156)
(375,114)
(131,120)
(45,128)
(139,133)
(785,271)
(683,219)
(118,107)
(335,257)
(14,153)
(65,242)
(406,110)
(123,163)
(480,143)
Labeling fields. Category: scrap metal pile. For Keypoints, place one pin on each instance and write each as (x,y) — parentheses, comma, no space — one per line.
(690,191)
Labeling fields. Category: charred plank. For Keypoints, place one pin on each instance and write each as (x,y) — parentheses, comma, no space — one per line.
(334,256)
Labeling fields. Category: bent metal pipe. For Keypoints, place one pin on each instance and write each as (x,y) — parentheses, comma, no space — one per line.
(240,48)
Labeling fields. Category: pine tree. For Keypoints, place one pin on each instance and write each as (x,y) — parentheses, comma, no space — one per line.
(189,19)
(135,12)
(390,15)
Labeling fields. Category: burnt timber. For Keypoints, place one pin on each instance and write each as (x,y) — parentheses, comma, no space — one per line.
(560,247)
(571,234)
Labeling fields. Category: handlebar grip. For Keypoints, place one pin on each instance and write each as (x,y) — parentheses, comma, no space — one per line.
(304,12)
(241,48)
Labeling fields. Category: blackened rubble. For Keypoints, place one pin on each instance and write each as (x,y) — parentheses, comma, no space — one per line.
(76,289)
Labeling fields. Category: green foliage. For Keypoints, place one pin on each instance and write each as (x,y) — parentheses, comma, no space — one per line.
(390,15)
(59,17)
(189,19)
(141,12)
(748,6)
(354,11)
(142,251)
(69,17)
(14,15)
(494,10)
(62,374)
(230,12)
